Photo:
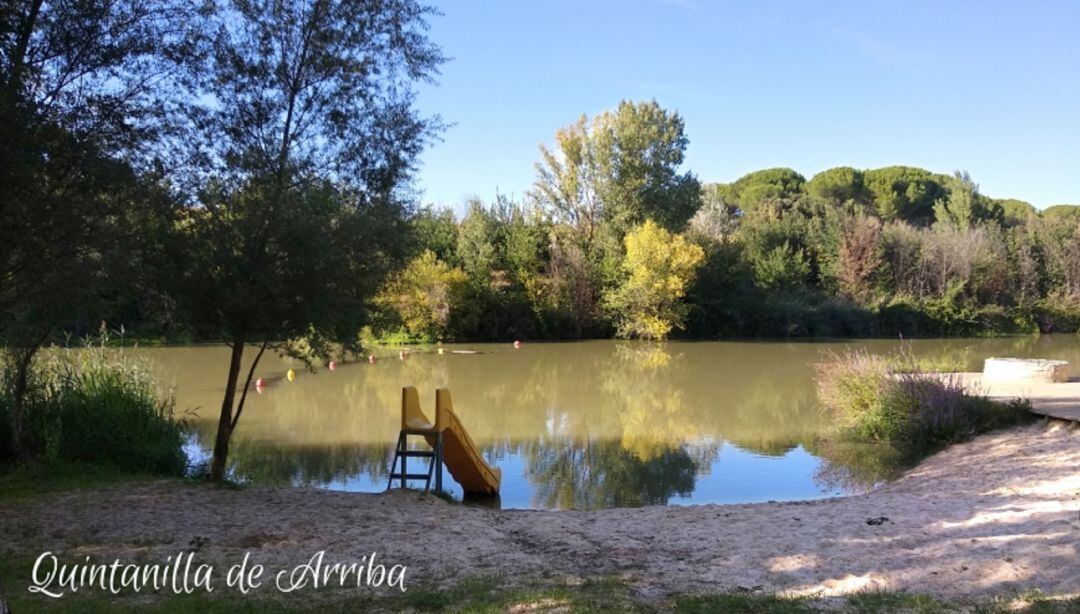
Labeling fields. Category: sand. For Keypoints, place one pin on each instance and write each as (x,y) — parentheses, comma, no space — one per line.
(1053,399)
(993,516)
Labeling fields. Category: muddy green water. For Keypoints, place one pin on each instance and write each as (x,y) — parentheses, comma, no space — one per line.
(572,425)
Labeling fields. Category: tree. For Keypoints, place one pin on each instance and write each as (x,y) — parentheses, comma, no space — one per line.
(1015,212)
(904,193)
(604,176)
(659,268)
(964,206)
(769,184)
(437,230)
(1062,213)
(717,219)
(860,257)
(784,242)
(304,142)
(620,168)
(85,87)
(478,241)
(424,296)
(782,268)
(839,185)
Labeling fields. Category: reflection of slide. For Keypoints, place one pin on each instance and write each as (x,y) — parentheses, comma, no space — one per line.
(460,454)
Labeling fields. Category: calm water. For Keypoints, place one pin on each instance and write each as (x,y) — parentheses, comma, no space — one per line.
(572,425)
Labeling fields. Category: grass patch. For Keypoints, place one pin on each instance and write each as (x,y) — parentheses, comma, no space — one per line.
(881,601)
(736,602)
(43,477)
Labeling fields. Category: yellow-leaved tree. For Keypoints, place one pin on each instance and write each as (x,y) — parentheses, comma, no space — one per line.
(659,267)
(423,295)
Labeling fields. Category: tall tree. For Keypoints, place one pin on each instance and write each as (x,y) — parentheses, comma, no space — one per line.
(605,176)
(305,145)
(85,89)
(619,168)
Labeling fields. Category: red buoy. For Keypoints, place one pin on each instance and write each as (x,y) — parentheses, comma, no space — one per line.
(332,365)
(371,359)
(517,345)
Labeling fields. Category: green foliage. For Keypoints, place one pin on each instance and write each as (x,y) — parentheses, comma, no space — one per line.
(1062,213)
(1015,212)
(86,88)
(97,406)
(754,188)
(782,267)
(964,206)
(839,185)
(478,241)
(659,269)
(904,193)
(618,169)
(423,296)
(436,230)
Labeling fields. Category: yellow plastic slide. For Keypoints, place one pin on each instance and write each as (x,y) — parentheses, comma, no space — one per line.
(460,454)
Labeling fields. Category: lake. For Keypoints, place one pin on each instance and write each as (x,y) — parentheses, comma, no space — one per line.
(580,425)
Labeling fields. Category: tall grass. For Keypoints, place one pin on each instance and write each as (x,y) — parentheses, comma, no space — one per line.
(891,399)
(97,405)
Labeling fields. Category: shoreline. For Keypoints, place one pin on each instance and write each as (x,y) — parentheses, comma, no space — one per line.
(997,515)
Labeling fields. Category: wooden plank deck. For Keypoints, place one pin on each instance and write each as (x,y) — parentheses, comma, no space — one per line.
(1061,400)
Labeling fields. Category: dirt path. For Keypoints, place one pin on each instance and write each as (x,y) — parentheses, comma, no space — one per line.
(998,514)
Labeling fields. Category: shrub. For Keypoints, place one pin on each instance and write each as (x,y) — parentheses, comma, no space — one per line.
(98,406)
(891,400)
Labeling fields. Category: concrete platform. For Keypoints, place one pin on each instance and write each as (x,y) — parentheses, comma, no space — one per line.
(1056,400)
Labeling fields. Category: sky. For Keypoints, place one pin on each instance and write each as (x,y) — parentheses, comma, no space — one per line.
(984,86)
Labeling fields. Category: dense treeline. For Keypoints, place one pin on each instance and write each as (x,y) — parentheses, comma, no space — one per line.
(613,240)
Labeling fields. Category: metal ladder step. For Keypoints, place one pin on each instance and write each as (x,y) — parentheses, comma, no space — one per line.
(410,476)
(417,453)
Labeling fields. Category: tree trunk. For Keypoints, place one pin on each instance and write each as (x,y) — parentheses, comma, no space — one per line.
(22,45)
(225,420)
(18,401)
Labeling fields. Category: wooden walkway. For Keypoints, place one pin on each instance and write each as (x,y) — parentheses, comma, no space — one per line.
(1060,401)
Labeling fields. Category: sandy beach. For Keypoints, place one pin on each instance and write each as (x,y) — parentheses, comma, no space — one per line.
(996,515)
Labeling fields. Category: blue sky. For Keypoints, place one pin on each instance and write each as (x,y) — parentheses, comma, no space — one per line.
(989,87)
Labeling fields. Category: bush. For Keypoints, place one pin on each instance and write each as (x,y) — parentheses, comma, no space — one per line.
(97,406)
(891,400)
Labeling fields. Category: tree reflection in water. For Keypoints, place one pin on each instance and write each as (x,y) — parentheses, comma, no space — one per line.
(599,474)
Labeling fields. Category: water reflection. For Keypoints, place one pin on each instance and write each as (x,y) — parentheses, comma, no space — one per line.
(575,425)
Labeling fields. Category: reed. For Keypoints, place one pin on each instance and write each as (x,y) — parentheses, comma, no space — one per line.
(98,405)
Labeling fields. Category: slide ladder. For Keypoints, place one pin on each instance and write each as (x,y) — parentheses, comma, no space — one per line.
(450,444)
